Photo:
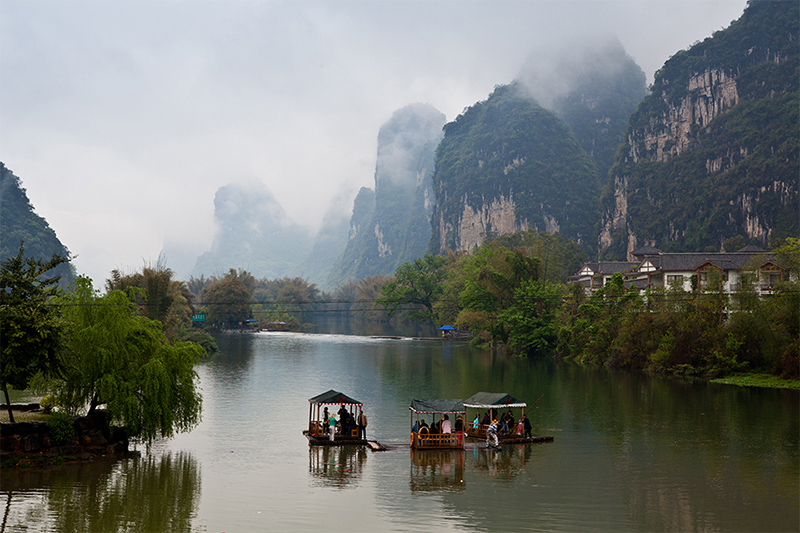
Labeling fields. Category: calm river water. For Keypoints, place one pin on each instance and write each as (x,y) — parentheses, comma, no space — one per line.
(631,452)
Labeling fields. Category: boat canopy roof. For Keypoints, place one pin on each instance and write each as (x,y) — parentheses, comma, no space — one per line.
(488,400)
(333,397)
(437,406)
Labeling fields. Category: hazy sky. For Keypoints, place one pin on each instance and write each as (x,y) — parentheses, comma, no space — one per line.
(123,118)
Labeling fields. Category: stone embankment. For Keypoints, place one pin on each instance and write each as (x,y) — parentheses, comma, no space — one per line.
(31,443)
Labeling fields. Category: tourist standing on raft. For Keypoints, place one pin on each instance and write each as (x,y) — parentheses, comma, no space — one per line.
(362,425)
(332,428)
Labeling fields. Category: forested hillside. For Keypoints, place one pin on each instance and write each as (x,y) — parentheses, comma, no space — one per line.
(594,87)
(19,222)
(505,165)
(712,152)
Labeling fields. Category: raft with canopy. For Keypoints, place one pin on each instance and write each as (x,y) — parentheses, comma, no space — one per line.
(497,403)
(345,431)
(422,437)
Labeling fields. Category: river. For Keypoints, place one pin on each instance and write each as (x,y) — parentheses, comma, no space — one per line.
(631,452)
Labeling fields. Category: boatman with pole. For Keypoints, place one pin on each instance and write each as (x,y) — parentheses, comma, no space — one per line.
(491,434)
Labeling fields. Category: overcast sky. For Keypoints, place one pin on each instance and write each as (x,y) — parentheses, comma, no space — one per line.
(122,119)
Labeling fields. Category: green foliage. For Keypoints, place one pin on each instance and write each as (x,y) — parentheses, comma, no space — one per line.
(19,222)
(290,300)
(744,161)
(47,403)
(114,357)
(202,338)
(510,147)
(492,276)
(61,427)
(30,328)
(157,296)
(229,299)
(559,257)
(415,288)
(531,319)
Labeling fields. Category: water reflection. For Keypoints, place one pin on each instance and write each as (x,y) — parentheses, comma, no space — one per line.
(437,470)
(146,493)
(505,463)
(336,466)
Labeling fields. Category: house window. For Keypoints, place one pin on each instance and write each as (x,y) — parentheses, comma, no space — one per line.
(674,278)
(597,282)
(770,276)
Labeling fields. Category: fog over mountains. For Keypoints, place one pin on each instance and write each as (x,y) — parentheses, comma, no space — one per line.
(566,137)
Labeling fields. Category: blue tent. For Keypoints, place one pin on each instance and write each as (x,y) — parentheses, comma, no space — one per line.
(446,328)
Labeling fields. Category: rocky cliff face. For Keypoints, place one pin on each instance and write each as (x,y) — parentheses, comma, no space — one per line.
(391,225)
(712,153)
(507,165)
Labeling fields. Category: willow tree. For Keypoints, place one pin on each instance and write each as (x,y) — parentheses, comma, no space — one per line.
(116,358)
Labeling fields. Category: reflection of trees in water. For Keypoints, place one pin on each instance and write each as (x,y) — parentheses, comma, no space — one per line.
(506,463)
(336,466)
(353,323)
(723,447)
(234,361)
(139,494)
(437,470)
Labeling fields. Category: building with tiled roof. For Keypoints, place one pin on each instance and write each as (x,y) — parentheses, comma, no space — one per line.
(689,271)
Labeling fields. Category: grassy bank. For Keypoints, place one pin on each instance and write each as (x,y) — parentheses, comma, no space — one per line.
(23,416)
(759,380)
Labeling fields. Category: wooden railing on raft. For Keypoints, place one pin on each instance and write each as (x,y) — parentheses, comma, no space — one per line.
(423,440)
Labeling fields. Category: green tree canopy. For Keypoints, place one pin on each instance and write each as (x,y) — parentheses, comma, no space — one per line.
(493,275)
(531,319)
(157,296)
(229,300)
(114,357)
(417,284)
(29,326)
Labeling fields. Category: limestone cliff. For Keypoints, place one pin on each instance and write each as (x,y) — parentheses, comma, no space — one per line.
(391,225)
(712,152)
(506,165)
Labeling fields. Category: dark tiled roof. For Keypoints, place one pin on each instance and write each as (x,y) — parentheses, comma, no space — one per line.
(751,249)
(691,261)
(646,250)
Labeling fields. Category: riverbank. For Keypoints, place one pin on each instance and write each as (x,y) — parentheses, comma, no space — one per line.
(30,441)
(758,380)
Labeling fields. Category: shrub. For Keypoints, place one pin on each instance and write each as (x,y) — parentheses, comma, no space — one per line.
(61,427)
(47,403)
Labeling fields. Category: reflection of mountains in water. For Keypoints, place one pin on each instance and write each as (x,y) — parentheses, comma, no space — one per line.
(336,466)
(437,470)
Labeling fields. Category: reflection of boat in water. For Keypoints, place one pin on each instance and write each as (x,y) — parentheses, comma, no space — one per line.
(440,469)
(345,431)
(339,466)
(492,403)
(506,463)
(428,436)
